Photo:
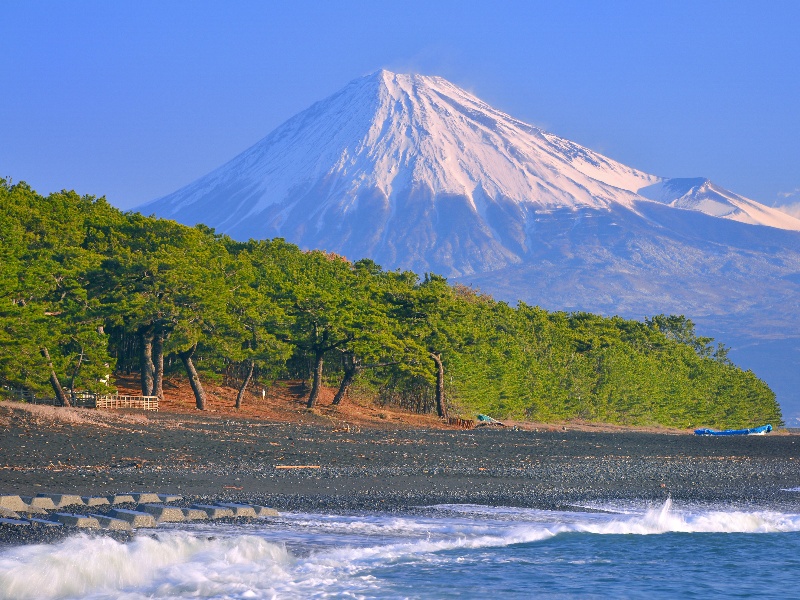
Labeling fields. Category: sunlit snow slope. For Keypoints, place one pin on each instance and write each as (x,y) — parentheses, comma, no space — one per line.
(415,172)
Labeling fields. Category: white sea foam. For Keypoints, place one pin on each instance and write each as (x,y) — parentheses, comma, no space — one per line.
(651,520)
(171,565)
(666,520)
(335,555)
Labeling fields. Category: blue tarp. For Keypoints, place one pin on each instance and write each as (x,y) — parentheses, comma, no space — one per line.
(487,420)
(753,431)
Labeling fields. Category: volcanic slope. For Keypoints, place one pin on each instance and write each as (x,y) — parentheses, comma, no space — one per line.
(416,173)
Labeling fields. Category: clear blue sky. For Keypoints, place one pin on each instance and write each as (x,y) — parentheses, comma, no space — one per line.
(134,99)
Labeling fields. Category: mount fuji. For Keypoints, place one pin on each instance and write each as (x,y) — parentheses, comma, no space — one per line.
(416,173)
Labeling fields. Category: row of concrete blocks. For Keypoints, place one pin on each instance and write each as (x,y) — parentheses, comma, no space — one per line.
(147,515)
(41,503)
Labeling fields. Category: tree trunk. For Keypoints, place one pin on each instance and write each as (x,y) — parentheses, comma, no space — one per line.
(61,397)
(146,367)
(441,406)
(194,378)
(74,375)
(247,379)
(350,371)
(312,397)
(158,364)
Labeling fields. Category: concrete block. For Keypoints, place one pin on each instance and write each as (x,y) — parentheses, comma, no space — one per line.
(134,517)
(7,521)
(95,501)
(120,499)
(62,500)
(34,510)
(163,514)
(113,524)
(82,521)
(239,510)
(194,514)
(44,522)
(264,511)
(214,512)
(7,513)
(145,497)
(169,498)
(12,503)
(39,502)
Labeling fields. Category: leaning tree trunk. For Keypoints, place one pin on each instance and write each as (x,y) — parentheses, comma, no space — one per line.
(61,397)
(75,374)
(146,367)
(312,397)
(194,378)
(350,371)
(247,379)
(158,364)
(441,406)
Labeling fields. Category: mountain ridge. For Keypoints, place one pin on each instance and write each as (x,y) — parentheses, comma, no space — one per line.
(394,152)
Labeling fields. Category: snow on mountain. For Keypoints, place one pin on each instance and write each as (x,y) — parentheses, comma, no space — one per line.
(391,132)
(704,196)
(417,173)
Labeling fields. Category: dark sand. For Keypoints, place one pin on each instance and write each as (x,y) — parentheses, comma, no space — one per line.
(203,456)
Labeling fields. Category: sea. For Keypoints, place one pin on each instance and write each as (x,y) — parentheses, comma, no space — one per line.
(602,550)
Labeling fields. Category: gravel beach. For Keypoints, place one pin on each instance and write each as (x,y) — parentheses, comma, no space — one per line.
(324,467)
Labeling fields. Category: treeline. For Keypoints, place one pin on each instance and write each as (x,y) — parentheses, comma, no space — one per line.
(87,289)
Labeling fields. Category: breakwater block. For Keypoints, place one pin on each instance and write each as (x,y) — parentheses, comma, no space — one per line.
(239,510)
(81,521)
(145,497)
(163,514)
(264,511)
(169,497)
(39,502)
(7,521)
(134,517)
(214,512)
(95,501)
(112,524)
(7,513)
(62,500)
(194,514)
(120,499)
(44,522)
(14,503)
(34,510)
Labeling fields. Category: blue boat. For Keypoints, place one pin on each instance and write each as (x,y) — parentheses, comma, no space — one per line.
(764,429)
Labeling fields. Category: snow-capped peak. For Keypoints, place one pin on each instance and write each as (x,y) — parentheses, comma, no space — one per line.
(392,132)
(702,195)
(416,172)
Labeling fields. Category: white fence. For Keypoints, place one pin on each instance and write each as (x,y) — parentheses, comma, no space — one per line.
(118,401)
(88,400)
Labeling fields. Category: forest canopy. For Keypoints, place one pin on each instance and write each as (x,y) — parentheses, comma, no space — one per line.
(87,290)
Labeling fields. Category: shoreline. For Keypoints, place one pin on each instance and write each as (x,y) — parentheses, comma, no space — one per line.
(346,469)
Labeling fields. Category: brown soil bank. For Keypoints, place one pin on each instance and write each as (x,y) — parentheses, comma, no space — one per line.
(320,463)
(285,402)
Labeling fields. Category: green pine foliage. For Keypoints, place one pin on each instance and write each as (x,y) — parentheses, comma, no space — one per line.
(85,284)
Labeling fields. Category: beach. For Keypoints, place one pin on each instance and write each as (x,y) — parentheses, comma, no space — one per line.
(336,466)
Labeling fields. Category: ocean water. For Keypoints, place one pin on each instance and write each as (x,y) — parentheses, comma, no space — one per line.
(617,550)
